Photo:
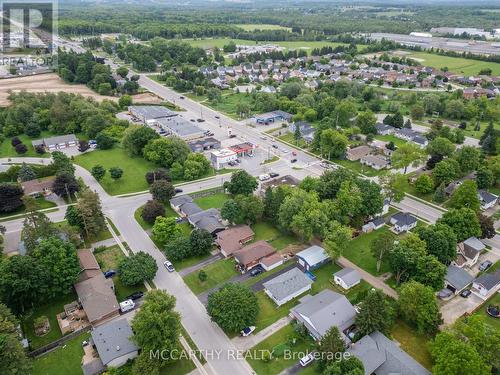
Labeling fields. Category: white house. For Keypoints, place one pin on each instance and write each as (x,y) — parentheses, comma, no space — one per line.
(375,224)
(287,286)
(403,222)
(468,252)
(487,199)
(486,284)
(347,278)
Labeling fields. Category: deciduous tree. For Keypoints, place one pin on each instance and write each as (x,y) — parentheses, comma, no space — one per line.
(162,190)
(241,183)
(381,246)
(152,209)
(463,221)
(137,268)
(165,229)
(375,314)
(466,196)
(406,155)
(418,307)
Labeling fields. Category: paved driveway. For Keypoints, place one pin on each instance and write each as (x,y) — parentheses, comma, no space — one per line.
(456,307)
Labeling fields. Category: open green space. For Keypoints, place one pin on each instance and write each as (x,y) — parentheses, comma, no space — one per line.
(221,42)
(493,322)
(357,167)
(134,169)
(412,343)
(188,262)
(104,234)
(455,64)
(42,204)
(358,252)
(109,259)
(282,339)
(218,273)
(212,201)
(49,309)
(228,104)
(391,138)
(270,312)
(267,232)
(65,359)
(253,27)
(7,150)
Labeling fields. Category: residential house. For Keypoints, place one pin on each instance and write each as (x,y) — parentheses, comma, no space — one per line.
(113,343)
(59,142)
(269,90)
(306,130)
(38,187)
(209,220)
(88,264)
(420,141)
(356,153)
(233,239)
(375,224)
(487,199)
(287,286)
(456,279)
(486,284)
(347,278)
(375,162)
(311,258)
(382,356)
(258,253)
(324,310)
(184,205)
(403,222)
(386,206)
(468,252)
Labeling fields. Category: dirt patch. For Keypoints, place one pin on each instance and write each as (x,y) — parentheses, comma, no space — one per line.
(146,98)
(44,83)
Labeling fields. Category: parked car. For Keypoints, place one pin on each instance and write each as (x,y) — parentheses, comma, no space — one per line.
(135,295)
(275,146)
(109,273)
(179,220)
(217,117)
(200,120)
(181,97)
(169,266)
(465,293)
(192,120)
(293,161)
(127,305)
(247,331)
(264,177)
(485,265)
(305,360)
(210,134)
(264,138)
(273,174)
(256,271)
(232,136)
(177,190)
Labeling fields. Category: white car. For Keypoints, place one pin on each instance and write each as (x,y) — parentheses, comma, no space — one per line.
(127,305)
(305,360)
(247,331)
(264,177)
(169,266)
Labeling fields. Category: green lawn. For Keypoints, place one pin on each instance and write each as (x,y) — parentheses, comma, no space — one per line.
(391,138)
(64,360)
(270,312)
(212,201)
(283,337)
(218,273)
(357,167)
(134,169)
(493,322)
(358,252)
(42,204)
(412,343)
(6,149)
(50,309)
(101,236)
(229,102)
(188,262)
(253,27)
(267,232)
(110,259)
(455,64)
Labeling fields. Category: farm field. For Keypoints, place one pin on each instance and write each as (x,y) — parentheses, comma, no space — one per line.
(455,64)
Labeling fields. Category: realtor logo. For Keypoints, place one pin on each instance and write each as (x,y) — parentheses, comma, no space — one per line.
(28,27)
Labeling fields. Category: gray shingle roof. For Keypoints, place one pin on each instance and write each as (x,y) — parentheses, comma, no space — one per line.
(458,277)
(486,196)
(489,280)
(112,340)
(287,283)
(368,352)
(177,201)
(403,218)
(349,275)
(209,220)
(474,244)
(324,310)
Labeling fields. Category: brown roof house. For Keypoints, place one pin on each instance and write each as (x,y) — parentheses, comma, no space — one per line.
(95,293)
(357,153)
(233,239)
(468,252)
(258,253)
(38,187)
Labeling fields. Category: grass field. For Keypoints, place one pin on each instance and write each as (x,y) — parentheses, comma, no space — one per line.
(358,252)
(270,312)
(50,309)
(267,232)
(455,64)
(212,201)
(63,360)
(220,42)
(42,204)
(253,27)
(412,343)
(134,169)
(357,167)
(7,150)
(278,340)
(493,322)
(229,102)
(218,272)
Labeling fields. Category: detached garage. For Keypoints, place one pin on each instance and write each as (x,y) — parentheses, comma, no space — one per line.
(312,258)
(287,286)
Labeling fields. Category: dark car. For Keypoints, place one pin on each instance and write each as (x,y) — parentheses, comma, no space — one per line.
(109,273)
(465,293)
(256,271)
(177,190)
(485,265)
(135,295)
(232,136)
(192,120)
(273,174)
(217,117)
(293,161)
(275,146)
(200,120)
(181,97)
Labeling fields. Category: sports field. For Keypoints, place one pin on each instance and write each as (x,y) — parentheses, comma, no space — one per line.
(455,64)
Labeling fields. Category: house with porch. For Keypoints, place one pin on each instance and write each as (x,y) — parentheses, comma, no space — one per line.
(257,253)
